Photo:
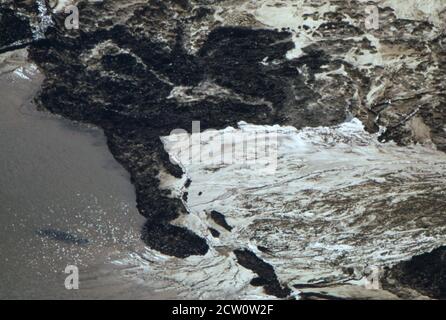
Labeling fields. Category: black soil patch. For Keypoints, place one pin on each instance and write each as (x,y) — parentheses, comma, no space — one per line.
(220,220)
(14,29)
(214,233)
(161,236)
(267,276)
(264,249)
(425,273)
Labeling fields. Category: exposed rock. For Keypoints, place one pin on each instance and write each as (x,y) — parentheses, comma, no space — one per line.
(22,34)
(267,277)
(220,220)
(214,232)
(173,240)
(425,273)
(139,69)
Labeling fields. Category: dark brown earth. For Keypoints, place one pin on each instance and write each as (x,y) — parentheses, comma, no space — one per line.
(267,276)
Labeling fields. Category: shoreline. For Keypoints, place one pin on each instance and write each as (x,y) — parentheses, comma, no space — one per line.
(76,205)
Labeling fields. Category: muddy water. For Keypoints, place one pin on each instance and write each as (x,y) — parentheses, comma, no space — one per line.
(64,201)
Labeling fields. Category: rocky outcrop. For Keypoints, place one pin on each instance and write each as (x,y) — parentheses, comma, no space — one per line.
(425,273)
(23,22)
(22,34)
(140,69)
(266,275)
